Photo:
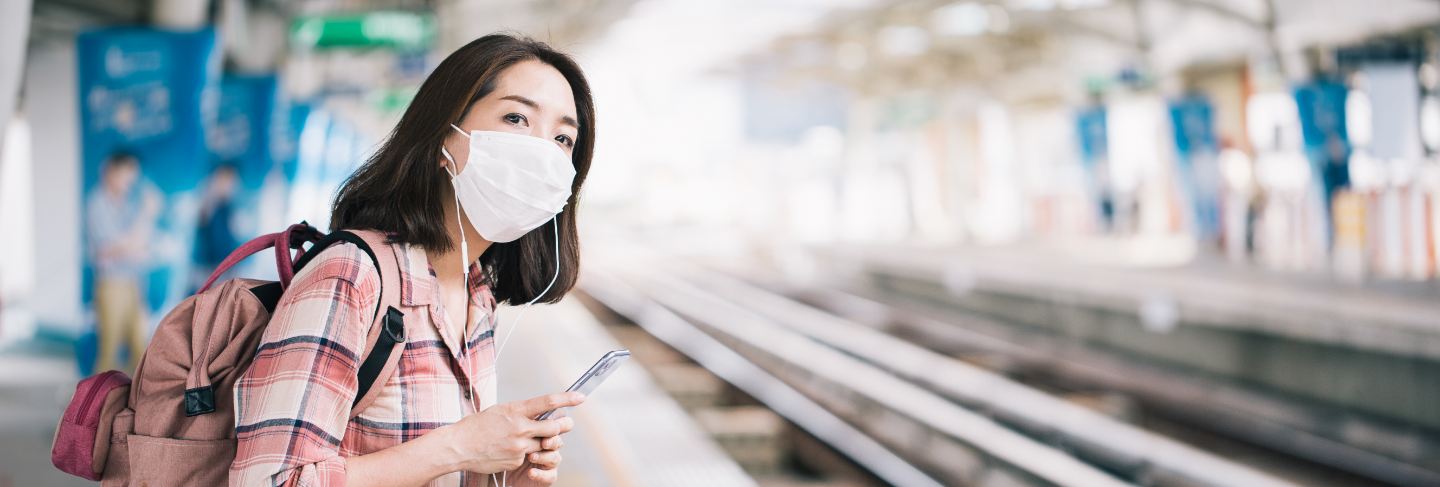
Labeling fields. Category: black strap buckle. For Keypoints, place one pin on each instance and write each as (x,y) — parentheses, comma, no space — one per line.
(200,400)
(374,362)
(395,325)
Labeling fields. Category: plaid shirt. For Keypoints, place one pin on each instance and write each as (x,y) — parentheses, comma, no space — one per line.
(292,405)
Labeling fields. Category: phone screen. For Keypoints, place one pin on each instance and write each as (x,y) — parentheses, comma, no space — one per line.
(597,373)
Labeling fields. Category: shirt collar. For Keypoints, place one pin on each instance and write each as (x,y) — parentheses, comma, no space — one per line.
(419,284)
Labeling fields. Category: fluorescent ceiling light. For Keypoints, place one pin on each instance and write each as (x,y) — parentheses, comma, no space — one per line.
(961,19)
(904,40)
(1079,4)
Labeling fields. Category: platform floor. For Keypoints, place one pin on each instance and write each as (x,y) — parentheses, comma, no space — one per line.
(629,433)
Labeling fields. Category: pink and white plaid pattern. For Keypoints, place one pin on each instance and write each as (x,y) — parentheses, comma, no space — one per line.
(293,403)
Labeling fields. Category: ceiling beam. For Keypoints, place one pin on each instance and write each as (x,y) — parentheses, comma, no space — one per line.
(1222,11)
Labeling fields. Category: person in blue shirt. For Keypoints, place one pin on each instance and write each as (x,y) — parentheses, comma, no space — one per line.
(120,220)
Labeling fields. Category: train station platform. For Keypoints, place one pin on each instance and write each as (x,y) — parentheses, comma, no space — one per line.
(1397,317)
(628,433)
(1344,372)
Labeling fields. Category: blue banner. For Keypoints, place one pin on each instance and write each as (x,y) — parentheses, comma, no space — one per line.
(287,144)
(1092,132)
(242,131)
(1322,123)
(1193,120)
(1091,127)
(1197,153)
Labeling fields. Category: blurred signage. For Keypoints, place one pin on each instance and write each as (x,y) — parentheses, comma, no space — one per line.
(1091,128)
(145,91)
(1193,120)
(285,134)
(1327,145)
(1394,90)
(388,29)
(241,131)
(1322,115)
(392,100)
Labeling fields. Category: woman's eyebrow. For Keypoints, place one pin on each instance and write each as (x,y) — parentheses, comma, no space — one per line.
(567,120)
(524,101)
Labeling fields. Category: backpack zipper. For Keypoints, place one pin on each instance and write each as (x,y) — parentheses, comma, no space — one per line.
(94,391)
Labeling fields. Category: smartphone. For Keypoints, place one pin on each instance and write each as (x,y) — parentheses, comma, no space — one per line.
(597,374)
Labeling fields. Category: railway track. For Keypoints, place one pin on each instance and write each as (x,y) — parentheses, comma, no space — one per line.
(1191,410)
(904,411)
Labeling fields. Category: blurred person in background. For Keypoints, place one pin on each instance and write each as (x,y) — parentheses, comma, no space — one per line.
(1239,191)
(214,238)
(120,215)
(494,146)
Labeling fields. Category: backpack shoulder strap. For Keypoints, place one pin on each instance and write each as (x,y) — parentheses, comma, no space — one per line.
(387,333)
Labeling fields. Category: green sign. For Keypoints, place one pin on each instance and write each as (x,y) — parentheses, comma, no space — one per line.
(391,100)
(387,29)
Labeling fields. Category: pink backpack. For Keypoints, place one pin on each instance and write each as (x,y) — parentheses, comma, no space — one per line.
(175,423)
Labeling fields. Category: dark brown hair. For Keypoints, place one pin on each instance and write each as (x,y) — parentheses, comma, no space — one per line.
(400,188)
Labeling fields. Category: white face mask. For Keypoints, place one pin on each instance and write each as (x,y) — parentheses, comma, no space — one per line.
(511,183)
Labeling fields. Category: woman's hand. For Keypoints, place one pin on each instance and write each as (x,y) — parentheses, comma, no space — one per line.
(540,467)
(499,438)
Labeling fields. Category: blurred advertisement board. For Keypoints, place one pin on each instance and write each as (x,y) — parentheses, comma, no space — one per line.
(1197,150)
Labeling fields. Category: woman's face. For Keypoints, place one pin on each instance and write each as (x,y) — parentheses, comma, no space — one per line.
(530,98)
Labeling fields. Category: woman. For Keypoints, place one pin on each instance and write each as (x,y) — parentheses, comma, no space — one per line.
(497,140)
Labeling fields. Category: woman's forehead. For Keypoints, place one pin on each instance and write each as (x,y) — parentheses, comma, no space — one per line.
(538,82)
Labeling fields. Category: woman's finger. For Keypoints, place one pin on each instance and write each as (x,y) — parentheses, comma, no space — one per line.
(549,427)
(547,459)
(527,445)
(552,443)
(544,477)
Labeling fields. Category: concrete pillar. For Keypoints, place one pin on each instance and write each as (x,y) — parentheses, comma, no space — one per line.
(14,31)
(180,14)
(253,39)
(52,112)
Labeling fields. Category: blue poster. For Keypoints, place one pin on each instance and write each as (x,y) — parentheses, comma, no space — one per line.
(242,131)
(1197,156)
(286,149)
(1193,120)
(1322,123)
(1092,130)
(1327,145)
(145,95)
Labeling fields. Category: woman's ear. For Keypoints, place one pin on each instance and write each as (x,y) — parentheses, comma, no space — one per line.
(447,161)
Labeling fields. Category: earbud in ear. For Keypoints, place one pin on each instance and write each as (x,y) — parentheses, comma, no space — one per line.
(450,161)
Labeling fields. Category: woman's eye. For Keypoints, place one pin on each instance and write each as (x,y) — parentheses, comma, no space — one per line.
(565,139)
(515,118)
